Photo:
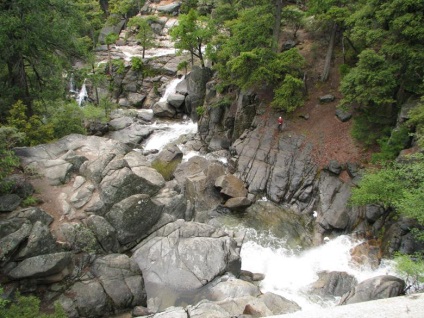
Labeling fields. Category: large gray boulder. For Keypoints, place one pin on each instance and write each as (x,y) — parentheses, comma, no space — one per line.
(122,183)
(133,217)
(231,186)
(104,232)
(186,256)
(131,135)
(197,178)
(333,284)
(40,241)
(13,232)
(164,109)
(384,286)
(167,160)
(121,279)
(42,266)
(196,89)
(9,202)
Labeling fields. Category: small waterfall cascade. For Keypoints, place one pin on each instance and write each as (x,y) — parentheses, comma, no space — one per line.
(289,273)
(82,95)
(72,84)
(170,88)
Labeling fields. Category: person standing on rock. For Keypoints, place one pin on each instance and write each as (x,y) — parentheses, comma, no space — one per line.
(280,123)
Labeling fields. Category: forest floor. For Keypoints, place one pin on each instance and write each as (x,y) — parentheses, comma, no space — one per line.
(331,138)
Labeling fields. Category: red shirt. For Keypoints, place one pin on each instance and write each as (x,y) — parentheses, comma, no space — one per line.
(280,120)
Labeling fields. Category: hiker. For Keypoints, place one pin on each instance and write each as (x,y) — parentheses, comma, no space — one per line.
(280,123)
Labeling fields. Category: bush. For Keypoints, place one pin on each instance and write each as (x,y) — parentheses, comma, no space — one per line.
(9,137)
(200,110)
(136,64)
(412,268)
(35,130)
(290,94)
(368,130)
(391,147)
(68,119)
(26,307)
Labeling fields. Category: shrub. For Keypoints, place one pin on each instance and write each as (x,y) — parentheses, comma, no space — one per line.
(412,268)
(68,119)
(26,307)
(30,201)
(136,64)
(200,110)
(9,137)
(391,147)
(290,95)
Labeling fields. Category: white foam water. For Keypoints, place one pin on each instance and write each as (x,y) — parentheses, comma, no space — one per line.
(289,273)
(166,133)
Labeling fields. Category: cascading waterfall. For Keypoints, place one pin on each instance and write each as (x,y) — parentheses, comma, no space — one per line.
(170,88)
(289,273)
(82,95)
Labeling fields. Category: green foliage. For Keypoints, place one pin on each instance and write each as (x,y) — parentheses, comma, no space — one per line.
(399,185)
(371,82)
(182,66)
(412,268)
(137,64)
(39,40)
(144,34)
(26,307)
(192,33)
(68,119)
(200,110)
(290,94)
(344,69)
(390,147)
(118,66)
(417,120)
(35,130)
(119,9)
(9,137)
(30,201)
(293,17)
(187,5)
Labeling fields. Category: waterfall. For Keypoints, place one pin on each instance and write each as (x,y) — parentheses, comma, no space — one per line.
(165,133)
(82,95)
(170,88)
(72,84)
(288,273)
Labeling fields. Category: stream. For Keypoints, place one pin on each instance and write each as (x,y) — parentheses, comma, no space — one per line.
(288,271)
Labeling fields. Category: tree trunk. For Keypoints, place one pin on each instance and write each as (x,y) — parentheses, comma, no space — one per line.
(18,78)
(327,64)
(277,23)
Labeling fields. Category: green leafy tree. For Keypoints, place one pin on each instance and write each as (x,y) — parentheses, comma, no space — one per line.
(417,120)
(145,34)
(9,138)
(371,82)
(399,185)
(39,39)
(289,96)
(67,119)
(26,307)
(293,17)
(111,38)
(192,33)
(412,268)
(35,130)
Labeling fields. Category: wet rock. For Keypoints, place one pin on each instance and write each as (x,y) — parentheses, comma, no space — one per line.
(163,109)
(333,284)
(237,203)
(384,286)
(176,100)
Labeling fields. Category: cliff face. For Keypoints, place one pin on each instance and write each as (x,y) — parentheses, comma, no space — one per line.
(309,167)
